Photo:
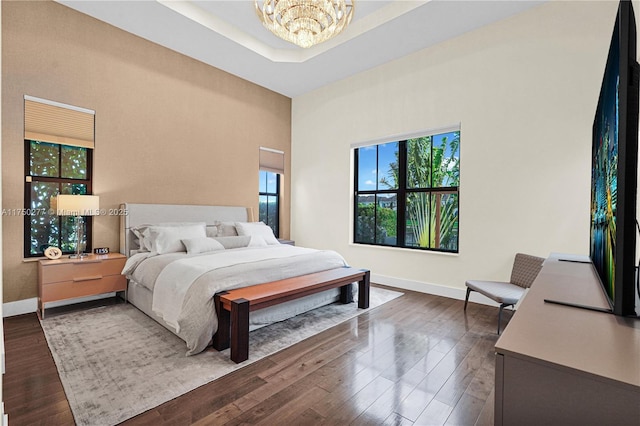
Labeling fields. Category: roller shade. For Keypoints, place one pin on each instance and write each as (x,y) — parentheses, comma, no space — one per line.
(272,160)
(54,122)
(405,136)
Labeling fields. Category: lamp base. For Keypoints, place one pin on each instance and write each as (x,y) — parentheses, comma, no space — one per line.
(78,256)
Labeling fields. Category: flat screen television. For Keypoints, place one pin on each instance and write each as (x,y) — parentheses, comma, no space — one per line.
(614,168)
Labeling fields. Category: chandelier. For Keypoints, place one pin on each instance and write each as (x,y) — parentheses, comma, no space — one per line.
(305,22)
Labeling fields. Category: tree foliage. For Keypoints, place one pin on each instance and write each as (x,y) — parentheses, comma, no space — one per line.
(368,230)
(54,161)
(432,216)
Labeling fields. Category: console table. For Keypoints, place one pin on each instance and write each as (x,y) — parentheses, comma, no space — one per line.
(563,365)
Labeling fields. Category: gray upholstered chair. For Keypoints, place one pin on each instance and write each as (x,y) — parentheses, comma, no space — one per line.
(524,272)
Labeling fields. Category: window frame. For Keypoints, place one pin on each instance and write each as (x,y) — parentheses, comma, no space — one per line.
(275,194)
(402,192)
(30,179)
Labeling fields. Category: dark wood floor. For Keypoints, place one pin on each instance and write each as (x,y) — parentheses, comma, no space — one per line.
(418,360)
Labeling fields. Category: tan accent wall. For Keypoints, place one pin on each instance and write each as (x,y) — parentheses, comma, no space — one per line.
(169,129)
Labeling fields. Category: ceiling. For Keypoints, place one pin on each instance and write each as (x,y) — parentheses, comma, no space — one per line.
(228,35)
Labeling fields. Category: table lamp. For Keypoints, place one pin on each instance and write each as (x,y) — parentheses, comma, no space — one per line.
(78,206)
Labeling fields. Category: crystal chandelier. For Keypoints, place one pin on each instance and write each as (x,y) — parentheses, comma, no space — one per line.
(305,22)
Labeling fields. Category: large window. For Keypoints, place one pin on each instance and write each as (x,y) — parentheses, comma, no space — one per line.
(271,167)
(268,202)
(58,148)
(407,193)
(54,169)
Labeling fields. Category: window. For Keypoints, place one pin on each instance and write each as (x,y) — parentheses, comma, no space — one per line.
(269,199)
(407,193)
(54,169)
(271,167)
(59,142)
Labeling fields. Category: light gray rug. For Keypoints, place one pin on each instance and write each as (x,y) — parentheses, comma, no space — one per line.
(115,362)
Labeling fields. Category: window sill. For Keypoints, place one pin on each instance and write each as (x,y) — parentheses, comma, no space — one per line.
(404,249)
(33,259)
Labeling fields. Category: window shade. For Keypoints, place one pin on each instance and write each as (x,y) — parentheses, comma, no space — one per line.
(54,122)
(404,136)
(272,160)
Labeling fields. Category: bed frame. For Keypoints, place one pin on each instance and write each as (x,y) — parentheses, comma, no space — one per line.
(141,214)
(146,214)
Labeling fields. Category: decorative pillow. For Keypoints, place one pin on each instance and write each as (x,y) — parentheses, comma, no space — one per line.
(234,242)
(144,244)
(168,239)
(226,229)
(138,232)
(201,245)
(257,228)
(212,231)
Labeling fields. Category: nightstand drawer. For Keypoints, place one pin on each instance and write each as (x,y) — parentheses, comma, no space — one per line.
(80,288)
(81,270)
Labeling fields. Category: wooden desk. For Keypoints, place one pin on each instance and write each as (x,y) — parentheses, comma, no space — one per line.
(563,365)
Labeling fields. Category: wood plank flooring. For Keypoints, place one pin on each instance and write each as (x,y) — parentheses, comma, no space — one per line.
(418,360)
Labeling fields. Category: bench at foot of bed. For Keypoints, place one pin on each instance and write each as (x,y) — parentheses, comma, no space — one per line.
(233,306)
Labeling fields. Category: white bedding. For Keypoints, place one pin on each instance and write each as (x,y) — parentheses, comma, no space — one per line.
(183,285)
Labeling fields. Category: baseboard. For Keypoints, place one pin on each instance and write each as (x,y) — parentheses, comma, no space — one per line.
(27,306)
(30,305)
(435,289)
(19,307)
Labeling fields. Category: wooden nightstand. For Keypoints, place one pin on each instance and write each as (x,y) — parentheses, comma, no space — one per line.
(66,278)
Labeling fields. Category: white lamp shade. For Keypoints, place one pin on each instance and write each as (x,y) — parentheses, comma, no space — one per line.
(77,205)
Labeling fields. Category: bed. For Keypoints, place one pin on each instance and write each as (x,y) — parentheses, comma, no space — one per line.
(179,256)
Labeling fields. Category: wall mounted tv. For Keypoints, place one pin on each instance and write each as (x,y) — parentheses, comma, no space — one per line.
(614,168)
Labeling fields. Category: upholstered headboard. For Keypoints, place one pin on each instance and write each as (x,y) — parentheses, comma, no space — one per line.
(149,214)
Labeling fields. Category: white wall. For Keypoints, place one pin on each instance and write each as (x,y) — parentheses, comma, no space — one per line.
(524,91)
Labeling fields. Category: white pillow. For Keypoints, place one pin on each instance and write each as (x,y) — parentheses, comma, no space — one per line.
(168,239)
(257,241)
(201,245)
(144,244)
(212,231)
(257,228)
(234,241)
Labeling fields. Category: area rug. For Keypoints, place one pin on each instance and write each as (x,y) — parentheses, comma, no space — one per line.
(115,362)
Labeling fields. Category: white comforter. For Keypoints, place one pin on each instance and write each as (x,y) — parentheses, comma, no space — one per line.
(183,286)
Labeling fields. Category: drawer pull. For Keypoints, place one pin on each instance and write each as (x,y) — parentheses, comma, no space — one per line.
(79,262)
(98,277)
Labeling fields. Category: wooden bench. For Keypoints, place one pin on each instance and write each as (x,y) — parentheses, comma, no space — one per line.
(233,306)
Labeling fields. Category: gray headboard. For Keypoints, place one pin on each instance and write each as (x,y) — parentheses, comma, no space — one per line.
(149,214)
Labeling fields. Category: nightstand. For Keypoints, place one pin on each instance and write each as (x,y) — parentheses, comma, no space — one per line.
(66,278)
